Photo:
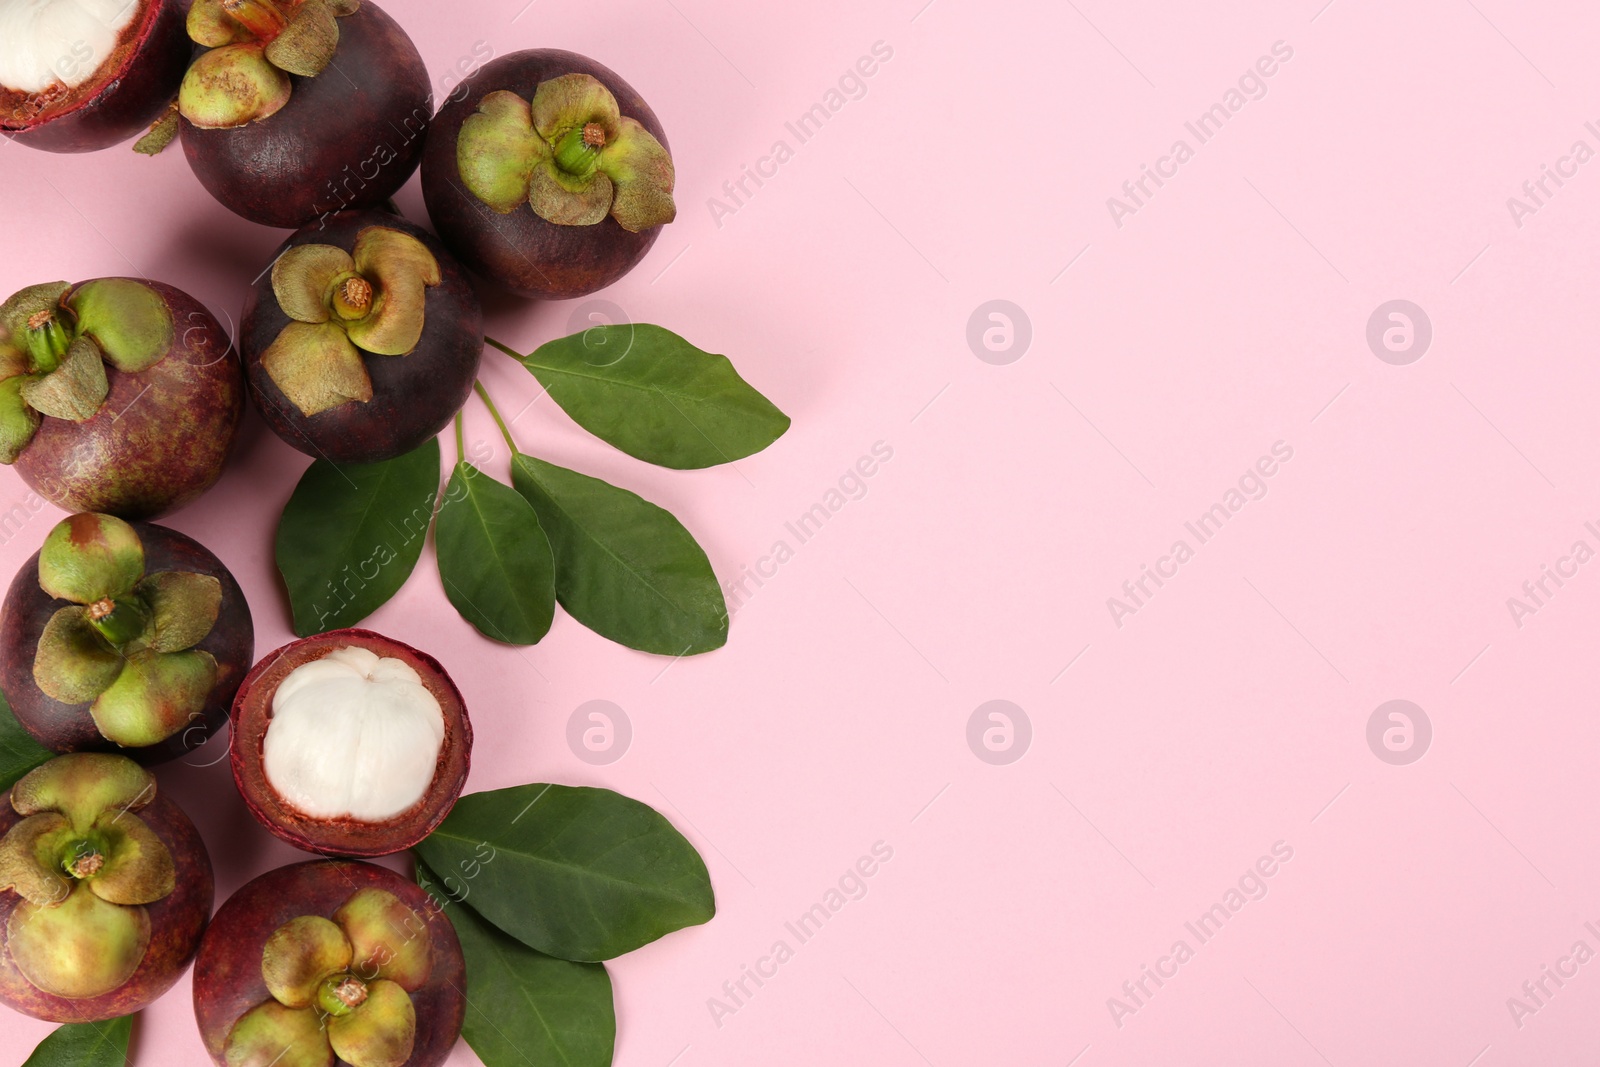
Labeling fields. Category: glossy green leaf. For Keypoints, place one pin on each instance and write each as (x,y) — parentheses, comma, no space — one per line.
(85,1045)
(657,397)
(526,1007)
(625,568)
(494,558)
(351,535)
(19,752)
(574,872)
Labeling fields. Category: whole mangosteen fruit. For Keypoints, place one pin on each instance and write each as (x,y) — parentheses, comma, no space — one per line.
(330,959)
(123,636)
(350,743)
(364,340)
(105,888)
(118,395)
(549,175)
(280,138)
(81,75)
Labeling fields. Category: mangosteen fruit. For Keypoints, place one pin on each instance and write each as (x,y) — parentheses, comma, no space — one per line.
(550,175)
(364,340)
(350,743)
(81,75)
(118,395)
(330,959)
(105,888)
(300,108)
(126,637)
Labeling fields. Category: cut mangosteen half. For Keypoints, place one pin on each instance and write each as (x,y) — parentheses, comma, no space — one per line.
(81,75)
(350,743)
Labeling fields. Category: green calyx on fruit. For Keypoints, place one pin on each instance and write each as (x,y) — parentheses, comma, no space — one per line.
(254,46)
(569,153)
(55,342)
(344,304)
(340,987)
(84,865)
(127,640)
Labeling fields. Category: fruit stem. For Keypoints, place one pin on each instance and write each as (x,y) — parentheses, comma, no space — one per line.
(461,451)
(118,621)
(47,341)
(578,149)
(505,431)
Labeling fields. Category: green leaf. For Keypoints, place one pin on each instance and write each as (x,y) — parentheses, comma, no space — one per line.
(656,396)
(350,536)
(85,1045)
(625,568)
(19,752)
(526,1007)
(574,872)
(494,558)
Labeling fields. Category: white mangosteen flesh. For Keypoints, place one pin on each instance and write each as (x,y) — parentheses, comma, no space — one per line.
(46,42)
(353,735)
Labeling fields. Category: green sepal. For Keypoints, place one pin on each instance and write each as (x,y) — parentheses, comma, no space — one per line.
(84,786)
(567,201)
(572,101)
(89,556)
(73,663)
(139,869)
(156,695)
(382,932)
(641,168)
(306,46)
(303,277)
(210,24)
(27,858)
(379,1033)
(497,150)
(74,390)
(270,1033)
(18,421)
(127,319)
(183,608)
(81,948)
(301,953)
(231,86)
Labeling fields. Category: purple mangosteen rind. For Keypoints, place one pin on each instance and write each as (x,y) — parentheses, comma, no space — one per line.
(162,435)
(147,66)
(228,981)
(519,250)
(64,727)
(347,138)
(252,714)
(414,396)
(176,923)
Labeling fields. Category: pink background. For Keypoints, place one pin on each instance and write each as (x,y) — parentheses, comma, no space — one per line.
(1168,754)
